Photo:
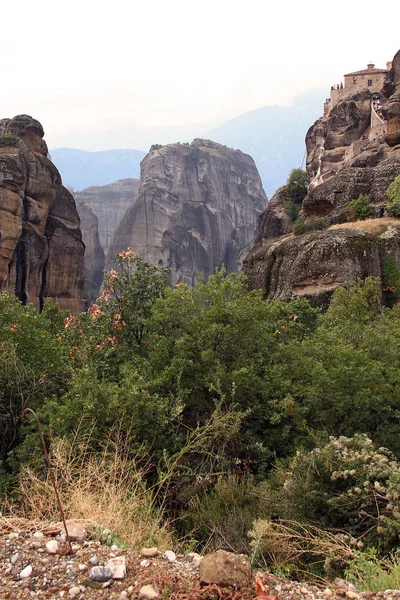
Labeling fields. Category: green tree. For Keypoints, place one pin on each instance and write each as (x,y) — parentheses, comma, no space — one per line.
(33,367)
(296,185)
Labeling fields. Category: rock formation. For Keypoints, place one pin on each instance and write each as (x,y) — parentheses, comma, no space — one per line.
(41,248)
(343,161)
(109,203)
(314,264)
(391,109)
(94,253)
(197,209)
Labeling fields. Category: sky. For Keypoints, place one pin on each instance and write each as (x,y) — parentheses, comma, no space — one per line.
(101,75)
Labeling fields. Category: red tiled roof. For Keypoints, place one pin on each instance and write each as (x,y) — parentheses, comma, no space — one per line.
(366,72)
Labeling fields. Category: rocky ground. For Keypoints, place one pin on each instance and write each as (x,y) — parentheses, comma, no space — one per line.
(37,563)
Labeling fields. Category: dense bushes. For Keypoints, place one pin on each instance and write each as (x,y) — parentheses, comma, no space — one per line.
(359,208)
(393,193)
(212,388)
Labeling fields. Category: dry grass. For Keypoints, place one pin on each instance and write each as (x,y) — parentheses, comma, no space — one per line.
(106,488)
(373,226)
(310,551)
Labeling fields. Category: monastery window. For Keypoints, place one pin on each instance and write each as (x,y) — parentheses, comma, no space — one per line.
(369,81)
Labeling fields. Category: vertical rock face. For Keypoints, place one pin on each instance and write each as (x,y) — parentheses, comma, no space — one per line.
(109,203)
(197,209)
(94,253)
(41,248)
(343,161)
(391,110)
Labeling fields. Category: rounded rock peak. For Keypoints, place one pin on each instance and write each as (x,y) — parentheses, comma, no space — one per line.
(21,124)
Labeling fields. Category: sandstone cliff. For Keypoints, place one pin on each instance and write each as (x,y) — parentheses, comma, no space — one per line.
(197,209)
(109,203)
(94,253)
(41,248)
(344,161)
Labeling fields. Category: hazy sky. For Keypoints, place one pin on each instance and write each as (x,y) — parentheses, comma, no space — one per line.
(84,67)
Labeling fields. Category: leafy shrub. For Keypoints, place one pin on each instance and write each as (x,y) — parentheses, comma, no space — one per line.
(292,210)
(393,193)
(345,484)
(7,139)
(390,279)
(359,208)
(369,572)
(33,367)
(220,515)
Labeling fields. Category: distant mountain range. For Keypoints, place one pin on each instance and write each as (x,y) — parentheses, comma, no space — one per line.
(272,135)
(81,169)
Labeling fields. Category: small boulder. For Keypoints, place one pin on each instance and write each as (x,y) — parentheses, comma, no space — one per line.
(148,592)
(117,567)
(226,569)
(149,552)
(100,574)
(170,555)
(52,547)
(76,532)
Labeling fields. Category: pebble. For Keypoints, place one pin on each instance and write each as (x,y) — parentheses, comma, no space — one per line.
(52,547)
(82,567)
(170,555)
(145,563)
(94,561)
(38,534)
(352,595)
(26,572)
(149,552)
(117,567)
(74,591)
(148,592)
(14,558)
(100,574)
(123,595)
(114,548)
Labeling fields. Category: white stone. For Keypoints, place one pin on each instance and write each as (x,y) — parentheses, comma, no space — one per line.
(149,552)
(148,592)
(117,567)
(123,595)
(94,561)
(144,563)
(74,591)
(114,548)
(38,534)
(52,547)
(26,572)
(170,555)
(82,567)
(12,535)
(14,558)
(327,592)
(352,595)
